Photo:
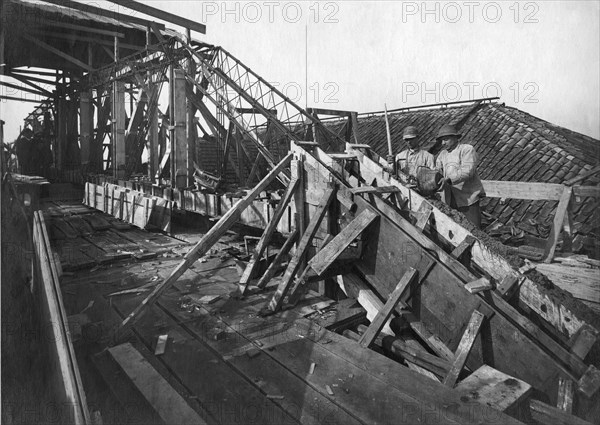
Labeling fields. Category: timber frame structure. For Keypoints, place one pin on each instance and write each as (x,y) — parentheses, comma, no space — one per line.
(348,224)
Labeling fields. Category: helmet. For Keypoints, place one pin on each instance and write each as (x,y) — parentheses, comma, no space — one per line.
(448,130)
(410,132)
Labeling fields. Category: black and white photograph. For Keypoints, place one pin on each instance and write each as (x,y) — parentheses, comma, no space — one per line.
(299,212)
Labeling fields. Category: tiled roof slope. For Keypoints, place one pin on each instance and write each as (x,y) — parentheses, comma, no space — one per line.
(512,145)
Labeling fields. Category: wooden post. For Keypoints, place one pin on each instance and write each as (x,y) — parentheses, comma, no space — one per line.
(179,142)
(118,130)
(152,131)
(384,314)
(192,134)
(86,126)
(61,136)
(464,348)
(557,224)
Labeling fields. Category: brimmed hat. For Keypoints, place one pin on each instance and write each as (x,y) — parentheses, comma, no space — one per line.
(448,130)
(410,132)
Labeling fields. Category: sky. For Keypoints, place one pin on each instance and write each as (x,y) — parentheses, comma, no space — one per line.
(542,57)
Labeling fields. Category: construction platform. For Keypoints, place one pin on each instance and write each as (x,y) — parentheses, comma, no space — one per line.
(223,363)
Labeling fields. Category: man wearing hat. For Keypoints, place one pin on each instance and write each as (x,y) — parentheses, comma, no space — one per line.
(409,160)
(457,162)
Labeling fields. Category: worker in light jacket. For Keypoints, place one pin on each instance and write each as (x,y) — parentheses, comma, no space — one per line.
(461,185)
(409,160)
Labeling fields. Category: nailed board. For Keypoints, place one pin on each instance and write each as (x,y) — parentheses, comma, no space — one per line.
(167,402)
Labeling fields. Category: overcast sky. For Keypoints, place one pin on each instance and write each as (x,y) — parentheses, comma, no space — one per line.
(542,57)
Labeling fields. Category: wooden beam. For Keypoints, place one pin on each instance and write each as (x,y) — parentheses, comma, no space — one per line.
(285,249)
(371,189)
(226,157)
(86,126)
(330,252)
(19,99)
(522,190)
(464,348)
(57,52)
(207,241)
(24,89)
(118,129)
(164,399)
(84,28)
(161,14)
(26,80)
(294,265)
(549,415)
(266,236)
(384,314)
(118,17)
(479,285)
(557,224)
(179,141)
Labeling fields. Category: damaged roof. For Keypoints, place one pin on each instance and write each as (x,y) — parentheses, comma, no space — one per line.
(513,146)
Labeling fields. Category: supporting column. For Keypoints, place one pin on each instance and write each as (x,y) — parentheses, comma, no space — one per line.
(153,154)
(192,134)
(118,130)
(61,133)
(86,126)
(179,142)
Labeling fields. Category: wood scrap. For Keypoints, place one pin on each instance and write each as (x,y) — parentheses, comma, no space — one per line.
(464,348)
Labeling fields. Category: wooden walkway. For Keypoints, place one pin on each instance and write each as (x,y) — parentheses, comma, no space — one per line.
(232,366)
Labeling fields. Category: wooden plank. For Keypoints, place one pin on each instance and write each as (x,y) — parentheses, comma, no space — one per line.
(549,415)
(584,340)
(294,265)
(161,14)
(285,249)
(557,224)
(411,352)
(464,348)
(330,252)
(167,402)
(491,387)
(583,283)
(522,190)
(56,51)
(479,285)
(565,394)
(583,175)
(384,314)
(88,8)
(207,241)
(266,236)
(463,247)
(371,189)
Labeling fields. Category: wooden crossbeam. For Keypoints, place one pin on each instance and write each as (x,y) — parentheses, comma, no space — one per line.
(384,314)
(583,176)
(545,414)
(161,14)
(266,236)
(57,52)
(287,246)
(332,250)
(371,189)
(463,247)
(294,265)
(557,224)
(207,241)
(21,88)
(464,348)
(119,17)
